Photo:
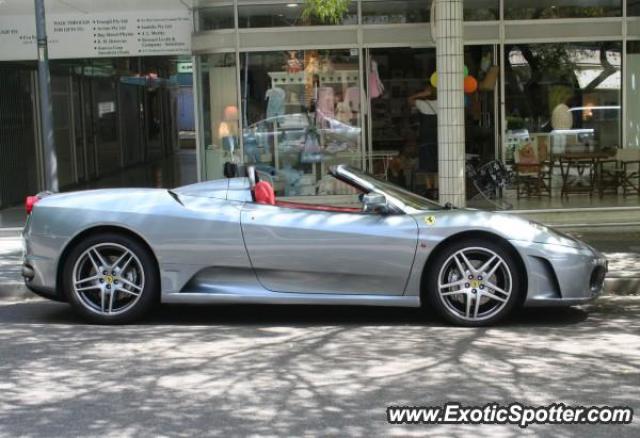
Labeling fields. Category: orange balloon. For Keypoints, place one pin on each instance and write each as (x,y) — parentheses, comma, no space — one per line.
(470,84)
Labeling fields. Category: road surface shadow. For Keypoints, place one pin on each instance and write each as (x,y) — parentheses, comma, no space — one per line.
(45,312)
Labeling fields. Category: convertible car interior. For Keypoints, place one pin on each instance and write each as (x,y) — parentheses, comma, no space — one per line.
(263,193)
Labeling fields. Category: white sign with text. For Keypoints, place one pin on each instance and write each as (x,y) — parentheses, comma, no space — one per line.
(99,35)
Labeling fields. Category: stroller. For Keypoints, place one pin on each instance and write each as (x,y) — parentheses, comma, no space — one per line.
(489,180)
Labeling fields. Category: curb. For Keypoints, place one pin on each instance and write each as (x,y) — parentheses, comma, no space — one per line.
(15,291)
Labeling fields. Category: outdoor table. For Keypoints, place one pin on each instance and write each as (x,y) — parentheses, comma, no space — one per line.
(585,163)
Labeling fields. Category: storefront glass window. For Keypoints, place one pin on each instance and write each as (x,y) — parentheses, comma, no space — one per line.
(633,8)
(220,114)
(534,9)
(404,116)
(563,113)
(216,16)
(301,114)
(284,14)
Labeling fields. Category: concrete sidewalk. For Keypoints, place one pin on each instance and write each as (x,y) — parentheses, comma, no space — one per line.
(621,246)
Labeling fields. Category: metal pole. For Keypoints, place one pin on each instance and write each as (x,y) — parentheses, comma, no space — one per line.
(46,110)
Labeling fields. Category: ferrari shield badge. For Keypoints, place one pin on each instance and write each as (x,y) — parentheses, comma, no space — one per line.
(430,220)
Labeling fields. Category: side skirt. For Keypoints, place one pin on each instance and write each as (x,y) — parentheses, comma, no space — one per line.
(291,298)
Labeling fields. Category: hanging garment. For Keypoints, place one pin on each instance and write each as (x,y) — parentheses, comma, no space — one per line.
(352,98)
(376,88)
(343,112)
(325,107)
(275,104)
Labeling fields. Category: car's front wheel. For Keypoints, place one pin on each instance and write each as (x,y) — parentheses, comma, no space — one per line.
(474,282)
(111,278)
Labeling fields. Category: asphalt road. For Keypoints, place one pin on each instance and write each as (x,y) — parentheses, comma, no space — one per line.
(306,371)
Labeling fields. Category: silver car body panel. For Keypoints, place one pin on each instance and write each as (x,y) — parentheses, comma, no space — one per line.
(214,245)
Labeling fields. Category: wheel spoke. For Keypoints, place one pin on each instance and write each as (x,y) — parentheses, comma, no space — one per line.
(111,301)
(493,269)
(475,310)
(484,267)
(460,267)
(96,265)
(452,284)
(102,300)
(130,284)
(467,312)
(453,292)
(467,262)
(120,259)
(97,254)
(127,291)
(496,288)
(93,286)
(494,297)
(84,280)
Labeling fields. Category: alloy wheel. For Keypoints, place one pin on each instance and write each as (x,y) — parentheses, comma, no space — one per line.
(108,279)
(474,284)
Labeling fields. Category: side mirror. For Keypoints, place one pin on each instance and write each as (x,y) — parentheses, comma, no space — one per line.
(375,203)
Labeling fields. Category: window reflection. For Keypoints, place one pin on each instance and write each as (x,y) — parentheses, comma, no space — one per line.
(534,9)
(567,94)
(253,13)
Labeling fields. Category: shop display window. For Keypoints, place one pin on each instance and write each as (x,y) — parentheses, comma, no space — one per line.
(301,114)
(220,113)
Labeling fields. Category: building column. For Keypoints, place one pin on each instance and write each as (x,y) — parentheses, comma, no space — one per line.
(450,66)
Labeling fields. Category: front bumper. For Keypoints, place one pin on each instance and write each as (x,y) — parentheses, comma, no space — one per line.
(560,275)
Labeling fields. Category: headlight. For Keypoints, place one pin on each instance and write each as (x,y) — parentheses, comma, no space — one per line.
(563,238)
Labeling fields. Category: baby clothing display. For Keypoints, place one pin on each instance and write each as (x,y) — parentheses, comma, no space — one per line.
(375,84)
(325,105)
(343,112)
(294,65)
(275,105)
(352,98)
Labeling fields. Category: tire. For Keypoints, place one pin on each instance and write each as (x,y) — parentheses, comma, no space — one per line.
(485,293)
(126,288)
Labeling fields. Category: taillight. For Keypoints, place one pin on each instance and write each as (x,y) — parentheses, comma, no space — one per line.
(30,202)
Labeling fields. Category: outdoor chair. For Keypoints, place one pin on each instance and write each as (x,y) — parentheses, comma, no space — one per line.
(532,171)
(622,171)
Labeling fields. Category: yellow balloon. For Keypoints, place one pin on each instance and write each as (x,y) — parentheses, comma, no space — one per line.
(434,79)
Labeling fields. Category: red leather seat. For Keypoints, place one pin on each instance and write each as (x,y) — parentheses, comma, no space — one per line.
(264,194)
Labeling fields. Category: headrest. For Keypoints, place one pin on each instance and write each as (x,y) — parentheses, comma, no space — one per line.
(264,194)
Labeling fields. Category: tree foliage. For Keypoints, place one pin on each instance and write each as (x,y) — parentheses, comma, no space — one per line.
(327,11)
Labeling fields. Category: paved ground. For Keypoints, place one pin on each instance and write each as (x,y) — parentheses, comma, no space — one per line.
(305,371)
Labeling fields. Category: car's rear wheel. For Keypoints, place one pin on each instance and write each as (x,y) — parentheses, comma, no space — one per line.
(474,282)
(111,278)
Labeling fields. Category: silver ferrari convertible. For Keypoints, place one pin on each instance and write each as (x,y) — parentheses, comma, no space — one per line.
(112,254)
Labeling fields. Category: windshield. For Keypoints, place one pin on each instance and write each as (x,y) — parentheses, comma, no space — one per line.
(408,198)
